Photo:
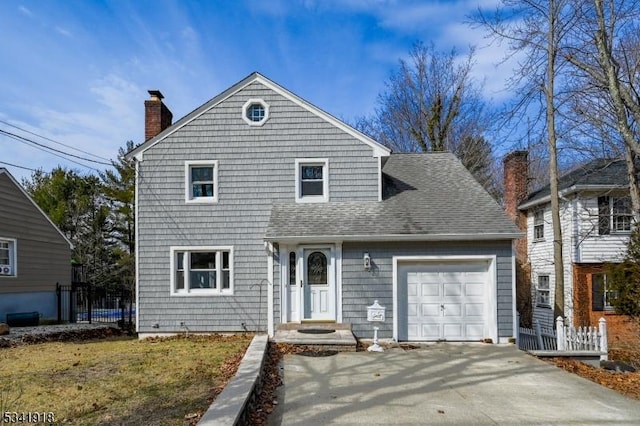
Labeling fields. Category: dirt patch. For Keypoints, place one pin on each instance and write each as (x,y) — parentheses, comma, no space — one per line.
(625,383)
(35,335)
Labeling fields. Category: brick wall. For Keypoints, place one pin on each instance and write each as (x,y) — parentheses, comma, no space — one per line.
(622,331)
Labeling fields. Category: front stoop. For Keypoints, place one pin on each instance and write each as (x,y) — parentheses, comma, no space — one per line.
(342,339)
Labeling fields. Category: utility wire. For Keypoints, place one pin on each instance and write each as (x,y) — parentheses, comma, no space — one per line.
(22,138)
(26,141)
(20,167)
(54,141)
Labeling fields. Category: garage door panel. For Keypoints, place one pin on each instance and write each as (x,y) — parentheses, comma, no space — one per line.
(446,301)
(412,310)
(474,331)
(452,310)
(474,289)
(452,289)
(430,310)
(474,310)
(430,331)
(430,289)
(453,330)
(412,289)
(412,331)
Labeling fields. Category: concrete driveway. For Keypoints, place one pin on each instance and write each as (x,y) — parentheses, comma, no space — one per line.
(443,383)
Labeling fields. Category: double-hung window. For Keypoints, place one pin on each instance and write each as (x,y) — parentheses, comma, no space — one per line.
(614,215)
(538,225)
(543,291)
(201,181)
(7,257)
(602,295)
(312,180)
(201,270)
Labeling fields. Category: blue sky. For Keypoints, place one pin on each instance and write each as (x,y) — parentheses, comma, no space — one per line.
(77,72)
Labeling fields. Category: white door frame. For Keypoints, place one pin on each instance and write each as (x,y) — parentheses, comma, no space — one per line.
(335,275)
(491,307)
(331,279)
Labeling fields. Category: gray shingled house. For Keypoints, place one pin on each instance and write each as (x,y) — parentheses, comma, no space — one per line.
(259,209)
(34,254)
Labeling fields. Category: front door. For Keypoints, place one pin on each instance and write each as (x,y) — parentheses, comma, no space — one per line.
(318,284)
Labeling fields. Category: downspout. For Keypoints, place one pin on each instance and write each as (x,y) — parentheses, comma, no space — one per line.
(514,308)
(137,242)
(270,276)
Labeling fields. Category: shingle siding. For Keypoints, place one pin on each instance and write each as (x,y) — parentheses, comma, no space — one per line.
(256,168)
(360,288)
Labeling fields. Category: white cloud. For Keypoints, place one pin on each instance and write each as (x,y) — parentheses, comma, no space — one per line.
(64,32)
(25,11)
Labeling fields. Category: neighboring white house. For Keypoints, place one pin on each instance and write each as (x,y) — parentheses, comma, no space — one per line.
(596,218)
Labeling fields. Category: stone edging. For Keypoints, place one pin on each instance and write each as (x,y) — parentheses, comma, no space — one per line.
(230,406)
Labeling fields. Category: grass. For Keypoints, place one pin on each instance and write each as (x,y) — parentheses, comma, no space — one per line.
(119,380)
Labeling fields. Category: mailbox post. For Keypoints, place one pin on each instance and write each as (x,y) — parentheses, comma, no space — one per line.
(375,313)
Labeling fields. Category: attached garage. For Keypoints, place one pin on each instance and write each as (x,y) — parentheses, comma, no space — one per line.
(445,299)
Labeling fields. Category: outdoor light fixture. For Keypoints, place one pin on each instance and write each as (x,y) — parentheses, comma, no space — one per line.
(366,260)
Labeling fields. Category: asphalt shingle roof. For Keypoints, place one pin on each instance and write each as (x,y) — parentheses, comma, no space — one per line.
(431,195)
(600,172)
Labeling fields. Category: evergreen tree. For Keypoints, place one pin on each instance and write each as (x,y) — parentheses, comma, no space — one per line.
(118,187)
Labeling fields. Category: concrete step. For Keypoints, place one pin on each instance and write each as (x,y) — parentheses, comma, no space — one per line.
(338,336)
(324,325)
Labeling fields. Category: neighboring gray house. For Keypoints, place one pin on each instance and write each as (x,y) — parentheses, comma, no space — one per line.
(34,254)
(259,208)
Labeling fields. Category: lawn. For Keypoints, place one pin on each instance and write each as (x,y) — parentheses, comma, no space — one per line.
(119,380)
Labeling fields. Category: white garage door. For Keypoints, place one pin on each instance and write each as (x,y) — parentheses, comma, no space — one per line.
(446,301)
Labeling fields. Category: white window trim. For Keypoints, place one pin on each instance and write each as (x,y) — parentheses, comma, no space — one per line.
(541,212)
(13,253)
(538,289)
(613,216)
(202,292)
(324,162)
(248,104)
(188,198)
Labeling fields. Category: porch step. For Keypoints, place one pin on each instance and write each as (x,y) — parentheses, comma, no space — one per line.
(339,338)
(324,325)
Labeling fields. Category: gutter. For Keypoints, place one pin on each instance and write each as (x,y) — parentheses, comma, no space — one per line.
(570,190)
(396,237)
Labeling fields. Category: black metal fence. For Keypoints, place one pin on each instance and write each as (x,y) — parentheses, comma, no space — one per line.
(85,303)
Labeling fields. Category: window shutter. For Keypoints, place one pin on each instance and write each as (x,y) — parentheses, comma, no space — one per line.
(604,216)
(597,292)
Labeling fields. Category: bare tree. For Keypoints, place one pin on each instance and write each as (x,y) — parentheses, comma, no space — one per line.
(537,28)
(432,103)
(605,49)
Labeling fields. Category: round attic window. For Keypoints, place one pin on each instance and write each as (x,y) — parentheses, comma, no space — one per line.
(255,112)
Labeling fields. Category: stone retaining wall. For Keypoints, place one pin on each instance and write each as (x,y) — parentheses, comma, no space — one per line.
(234,402)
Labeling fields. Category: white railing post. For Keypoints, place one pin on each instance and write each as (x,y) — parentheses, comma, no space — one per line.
(560,337)
(536,325)
(604,344)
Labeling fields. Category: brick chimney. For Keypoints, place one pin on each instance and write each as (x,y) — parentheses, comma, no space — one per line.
(157,116)
(516,182)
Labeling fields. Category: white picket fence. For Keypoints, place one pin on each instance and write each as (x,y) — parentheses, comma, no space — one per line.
(565,339)
(589,338)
